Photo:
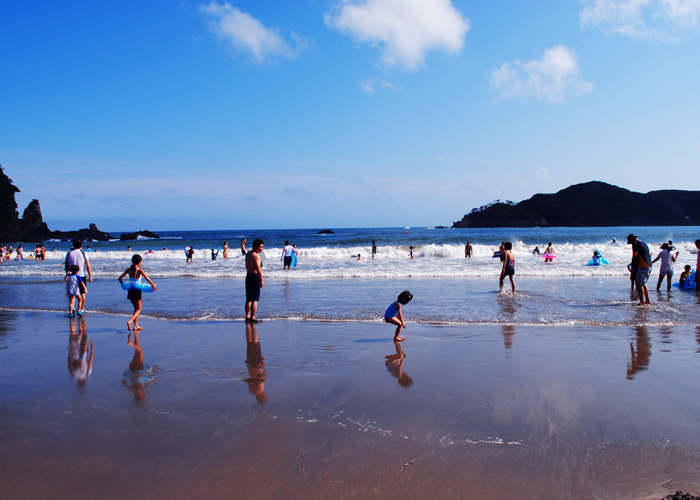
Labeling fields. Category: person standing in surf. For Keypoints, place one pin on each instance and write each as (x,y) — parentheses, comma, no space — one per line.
(549,251)
(76,257)
(253,282)
(243,250)
(667,260)
(641,267)
(374,248)
(508,268)
(287,255)
(225,249)
(468,250)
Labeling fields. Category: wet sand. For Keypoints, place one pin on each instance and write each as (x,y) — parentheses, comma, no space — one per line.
(304,409)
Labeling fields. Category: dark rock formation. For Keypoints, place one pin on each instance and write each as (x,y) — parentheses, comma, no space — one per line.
(91,233)
(679,495)
(32,214)
(588,205)
(325,231)
(134,236)
(29,229)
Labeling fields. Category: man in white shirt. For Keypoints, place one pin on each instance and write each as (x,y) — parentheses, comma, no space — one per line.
(76,257)
(287,255)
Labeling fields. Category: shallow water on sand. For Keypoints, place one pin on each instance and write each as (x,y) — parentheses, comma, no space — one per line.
(539,301)
(316,410)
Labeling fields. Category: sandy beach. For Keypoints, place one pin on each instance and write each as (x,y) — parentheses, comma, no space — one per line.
(308,409)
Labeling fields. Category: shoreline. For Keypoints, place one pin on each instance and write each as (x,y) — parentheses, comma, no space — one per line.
(464,411)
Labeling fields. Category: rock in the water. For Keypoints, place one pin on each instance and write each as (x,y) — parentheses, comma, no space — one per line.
(134,236)
(325,231)
(32,214)
(91,233)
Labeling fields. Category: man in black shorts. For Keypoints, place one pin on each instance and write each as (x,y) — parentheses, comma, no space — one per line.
(253,282)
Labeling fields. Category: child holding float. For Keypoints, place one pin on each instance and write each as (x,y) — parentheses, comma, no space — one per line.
(135,288)
(394,315)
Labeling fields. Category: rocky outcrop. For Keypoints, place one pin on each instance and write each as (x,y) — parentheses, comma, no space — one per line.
(30,228)
(135,236)
(325,231)
(87,234)
(588,205)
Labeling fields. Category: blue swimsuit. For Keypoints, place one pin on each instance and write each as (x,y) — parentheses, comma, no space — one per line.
(391,311)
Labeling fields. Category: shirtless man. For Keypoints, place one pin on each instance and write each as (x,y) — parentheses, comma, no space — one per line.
(253,282)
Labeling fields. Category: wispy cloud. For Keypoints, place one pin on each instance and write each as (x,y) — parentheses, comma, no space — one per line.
(248,35)
(370,85)
(405,29)
(641,18)
(553,78)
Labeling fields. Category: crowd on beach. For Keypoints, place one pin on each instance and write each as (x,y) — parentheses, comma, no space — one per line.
(79,273)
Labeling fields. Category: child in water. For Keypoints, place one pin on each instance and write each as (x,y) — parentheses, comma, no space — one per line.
(508,266)
(394,315)
(411,254)
(74,291)
(135,273)
(684,276)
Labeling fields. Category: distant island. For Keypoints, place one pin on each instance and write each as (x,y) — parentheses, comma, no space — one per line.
(31,228)
(588,205)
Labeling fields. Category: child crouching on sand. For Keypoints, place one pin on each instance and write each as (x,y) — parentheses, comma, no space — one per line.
(135,273)
(394,315)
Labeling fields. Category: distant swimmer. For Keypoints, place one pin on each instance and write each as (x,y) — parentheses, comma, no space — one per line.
(613,240)
(641,266)
(225,249)
(128,248)
(253,281)
(165,249)
(549,251)
(667,260)
(508,268)
(243,250)
(374,248)
(411,254)
(150,251)
(468,250)
(287,255)
(394,314)
(135,273)
(536,251)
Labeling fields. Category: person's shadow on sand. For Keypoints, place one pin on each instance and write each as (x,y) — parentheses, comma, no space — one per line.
(394,365)
(137,378)
(79,355)
(255,363)
(639,356)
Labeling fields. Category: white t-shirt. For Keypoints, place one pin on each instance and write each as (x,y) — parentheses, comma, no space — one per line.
(73,287)
(288,250)
(77,258)
(666,261)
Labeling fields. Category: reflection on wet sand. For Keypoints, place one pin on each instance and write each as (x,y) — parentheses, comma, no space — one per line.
(697,337)
(640,352)
(394,364)
(137,378)
(509,306)
(80,356)
(255,363)
(508,333)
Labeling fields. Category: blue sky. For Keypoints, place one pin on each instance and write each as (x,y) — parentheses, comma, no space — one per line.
(355,113)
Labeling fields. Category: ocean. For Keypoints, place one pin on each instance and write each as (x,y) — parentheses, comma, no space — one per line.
(330,283)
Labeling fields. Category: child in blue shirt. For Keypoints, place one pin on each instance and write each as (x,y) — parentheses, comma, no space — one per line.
(75,290)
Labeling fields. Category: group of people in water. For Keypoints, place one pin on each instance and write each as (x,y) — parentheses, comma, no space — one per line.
(39,253)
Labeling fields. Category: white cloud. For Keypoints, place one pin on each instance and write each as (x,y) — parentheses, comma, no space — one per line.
(405,29)
(641,18)
(370,85)
(553,78)
(247,34)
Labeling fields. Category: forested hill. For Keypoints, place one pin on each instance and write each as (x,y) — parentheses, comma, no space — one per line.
(591,204)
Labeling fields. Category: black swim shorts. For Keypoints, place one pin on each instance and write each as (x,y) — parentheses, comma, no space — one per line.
(252,287)
(133,294)
(510,271)
(287,261)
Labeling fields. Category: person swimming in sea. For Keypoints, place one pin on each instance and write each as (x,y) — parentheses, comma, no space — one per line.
(549,251)
(394,314)
(536,251)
